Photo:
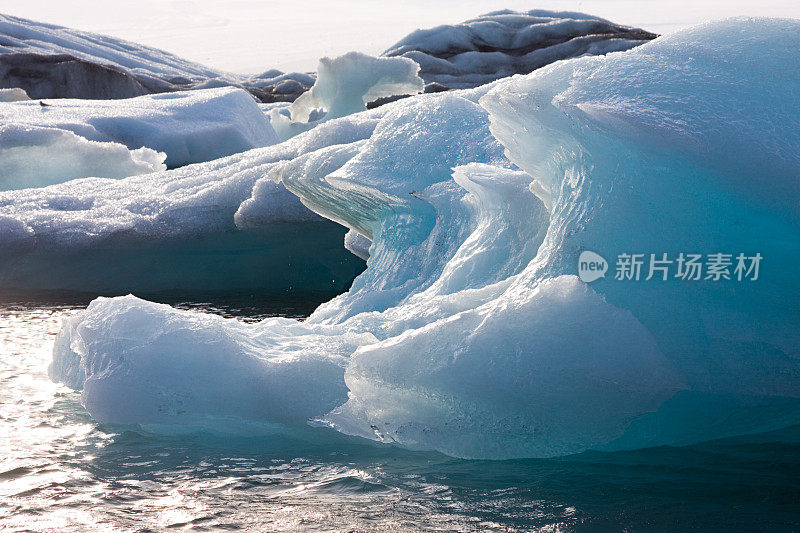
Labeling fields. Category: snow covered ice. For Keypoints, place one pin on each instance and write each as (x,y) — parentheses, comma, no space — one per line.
(503,43)
(114,235)
(141,224)
(469,332)
(345,85)
(27,157)
(50,61)
(188,126)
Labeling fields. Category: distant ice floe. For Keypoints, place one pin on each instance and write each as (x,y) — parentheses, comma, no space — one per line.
(345,85)
(50,61)
(188,126)
(13,95)
(504,43)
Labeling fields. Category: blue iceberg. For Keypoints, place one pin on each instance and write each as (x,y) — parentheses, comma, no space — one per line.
(470,332)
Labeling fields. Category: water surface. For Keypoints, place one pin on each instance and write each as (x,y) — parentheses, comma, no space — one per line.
(60,471)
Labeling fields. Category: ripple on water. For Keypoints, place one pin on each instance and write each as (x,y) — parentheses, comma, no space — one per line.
(60,471)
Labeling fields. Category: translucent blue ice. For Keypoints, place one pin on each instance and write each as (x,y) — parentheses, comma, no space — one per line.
(470,332)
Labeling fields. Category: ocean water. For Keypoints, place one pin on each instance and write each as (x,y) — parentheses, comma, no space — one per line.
(60,471)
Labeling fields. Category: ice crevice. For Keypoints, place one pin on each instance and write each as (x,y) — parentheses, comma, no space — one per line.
(469,332)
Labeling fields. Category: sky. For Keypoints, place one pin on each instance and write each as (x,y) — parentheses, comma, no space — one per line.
(252,36)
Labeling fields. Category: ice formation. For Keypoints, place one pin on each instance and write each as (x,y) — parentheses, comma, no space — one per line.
(13,95)
(503,43)
(32,156)
(50,61)
(54,62)
(194,228)
(344,86)
(469,332)
(189,126)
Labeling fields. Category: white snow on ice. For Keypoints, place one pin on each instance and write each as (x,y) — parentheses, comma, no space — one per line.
(188,126)
(504,43)
(27,157)
(344,86)
(51,61)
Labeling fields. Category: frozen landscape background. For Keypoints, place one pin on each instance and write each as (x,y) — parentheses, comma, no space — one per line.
(449,224)
(250,36)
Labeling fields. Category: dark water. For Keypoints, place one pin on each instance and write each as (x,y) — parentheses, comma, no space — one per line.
(60,471)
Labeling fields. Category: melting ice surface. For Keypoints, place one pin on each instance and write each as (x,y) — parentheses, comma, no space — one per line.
(62,471)
(469,333)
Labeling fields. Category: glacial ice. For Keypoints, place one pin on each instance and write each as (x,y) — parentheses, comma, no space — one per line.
(13,95)
(189,126)
(32,156)
(214,367)
(344,86)
(54,62)
(180,230)
(50,61)
(469,332)
(21,35)
(504,43)
(357,244)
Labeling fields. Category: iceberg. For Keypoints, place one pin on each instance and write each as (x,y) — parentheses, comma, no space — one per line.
(470,331)
(188,126)
(503,43)
(27,157)
(13,95)
(345,85)
(307,365)
(179,230)
(186,229)
(50,61)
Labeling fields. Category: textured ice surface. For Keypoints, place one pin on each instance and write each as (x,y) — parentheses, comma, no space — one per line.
(189,126)
(21,35)
(13,95)
(344,86)
(214,368)
(32,156)
(54,62)
(160,231)
(357,244)
(51,61)
(504,43)
(469,332)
